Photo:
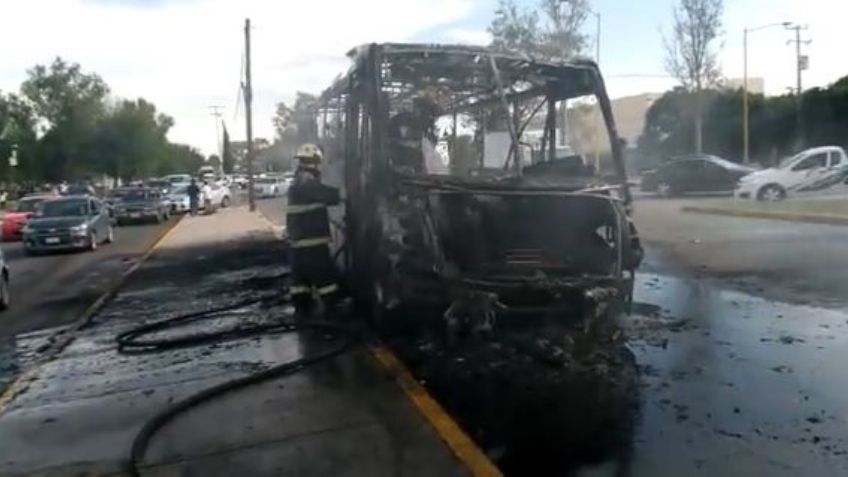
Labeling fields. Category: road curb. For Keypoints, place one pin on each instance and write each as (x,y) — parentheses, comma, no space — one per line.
(278,230)
(60,340)
(462,446)
(758,214)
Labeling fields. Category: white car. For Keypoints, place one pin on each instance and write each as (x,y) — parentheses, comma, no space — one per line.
(178,199)
(810,170)
(219,196)
(271,186)
(175,179)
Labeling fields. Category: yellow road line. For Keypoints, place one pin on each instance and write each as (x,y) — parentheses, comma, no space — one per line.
(457,440)
(66,336)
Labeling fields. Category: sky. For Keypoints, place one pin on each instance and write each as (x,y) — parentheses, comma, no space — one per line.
(186,55)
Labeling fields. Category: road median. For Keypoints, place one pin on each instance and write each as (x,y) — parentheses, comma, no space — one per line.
(816,211)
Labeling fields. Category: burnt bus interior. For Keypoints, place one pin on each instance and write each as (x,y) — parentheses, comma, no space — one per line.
(481,195)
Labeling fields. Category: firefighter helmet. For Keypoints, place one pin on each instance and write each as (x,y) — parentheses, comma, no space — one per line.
(309,153)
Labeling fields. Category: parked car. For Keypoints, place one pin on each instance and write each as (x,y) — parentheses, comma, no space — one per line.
(810,170)
(240,180)
(5,295)
(696,173)
(220,196)
(79,189)
(15,219)
(161,185)
(178,200)
(141,204)
(271,186)
(75,222)
(177,179)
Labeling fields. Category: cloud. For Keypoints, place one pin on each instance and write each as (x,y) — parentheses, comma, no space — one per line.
(186,55)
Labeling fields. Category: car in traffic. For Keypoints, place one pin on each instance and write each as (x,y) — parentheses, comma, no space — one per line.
(240,180)
(270,186)
(178,199)
(810,170)
(139,204)
(74,222)
(161,185)
(696,173)
(220,196)
(79,189)
(177,179)
(15,219)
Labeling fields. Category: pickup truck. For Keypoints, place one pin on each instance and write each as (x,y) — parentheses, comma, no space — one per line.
(810,170)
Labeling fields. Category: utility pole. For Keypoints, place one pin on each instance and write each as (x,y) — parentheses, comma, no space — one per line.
(216,112)
(248,112)
(801,63)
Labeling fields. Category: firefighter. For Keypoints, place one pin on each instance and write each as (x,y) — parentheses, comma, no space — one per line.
(307,221)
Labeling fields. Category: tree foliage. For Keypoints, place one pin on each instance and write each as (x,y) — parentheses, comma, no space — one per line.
(668,128)
(65,126)
(691,52)
(294,125)
(551,31)
(227,160)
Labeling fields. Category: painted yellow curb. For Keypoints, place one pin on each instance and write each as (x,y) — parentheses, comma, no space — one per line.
(457,440)
(761,214)
(462,446)
(65,337)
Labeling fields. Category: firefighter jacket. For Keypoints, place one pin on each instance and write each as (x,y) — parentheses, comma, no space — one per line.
(307,220)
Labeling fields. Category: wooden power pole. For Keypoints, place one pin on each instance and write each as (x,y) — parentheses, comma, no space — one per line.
(248,112)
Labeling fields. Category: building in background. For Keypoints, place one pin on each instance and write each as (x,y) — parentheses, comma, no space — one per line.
(629,113)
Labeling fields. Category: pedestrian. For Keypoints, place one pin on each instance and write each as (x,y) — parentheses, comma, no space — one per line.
(313,271)
(206,194)
(193,197)
(4,197)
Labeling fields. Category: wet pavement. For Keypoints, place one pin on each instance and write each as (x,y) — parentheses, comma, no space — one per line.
(731,382)
(342,417)
(734,384)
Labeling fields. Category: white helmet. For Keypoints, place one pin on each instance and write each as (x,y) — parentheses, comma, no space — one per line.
(309,153)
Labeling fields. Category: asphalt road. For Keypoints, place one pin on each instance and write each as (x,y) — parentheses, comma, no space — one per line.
(52,290)
(787,261)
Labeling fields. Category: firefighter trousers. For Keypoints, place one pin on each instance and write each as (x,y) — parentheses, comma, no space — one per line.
(313,272)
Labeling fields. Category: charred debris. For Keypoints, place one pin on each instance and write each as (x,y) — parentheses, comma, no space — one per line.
(492,254)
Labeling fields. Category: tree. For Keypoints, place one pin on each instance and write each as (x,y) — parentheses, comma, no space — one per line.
(668,131)
(296,124)
(214,160)
(690,54)
(130,141)
(17,130)
(227,160)
(68,104)
(556,34)
(180,158)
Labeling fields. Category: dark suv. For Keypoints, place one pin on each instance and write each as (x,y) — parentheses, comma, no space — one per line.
(136,204)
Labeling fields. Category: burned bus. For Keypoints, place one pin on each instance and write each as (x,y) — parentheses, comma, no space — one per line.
(479,183)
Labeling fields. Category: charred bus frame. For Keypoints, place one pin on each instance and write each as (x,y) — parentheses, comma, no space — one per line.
(395,222)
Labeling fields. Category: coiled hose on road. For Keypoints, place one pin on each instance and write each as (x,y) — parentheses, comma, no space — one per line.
(131,342)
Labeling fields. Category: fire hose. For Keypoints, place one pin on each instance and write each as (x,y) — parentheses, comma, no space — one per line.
(133,342)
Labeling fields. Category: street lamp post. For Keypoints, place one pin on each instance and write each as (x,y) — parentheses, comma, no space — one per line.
(745,113)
